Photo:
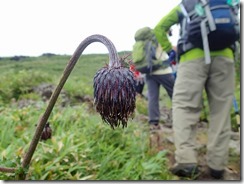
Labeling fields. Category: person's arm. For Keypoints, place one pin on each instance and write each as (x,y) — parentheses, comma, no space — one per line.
(162,28)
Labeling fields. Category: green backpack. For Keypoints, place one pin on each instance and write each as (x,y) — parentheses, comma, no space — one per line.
(144,51)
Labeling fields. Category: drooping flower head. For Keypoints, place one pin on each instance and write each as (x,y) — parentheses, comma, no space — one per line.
(114,94)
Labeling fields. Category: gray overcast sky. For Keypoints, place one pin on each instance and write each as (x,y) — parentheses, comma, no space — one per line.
(34,27)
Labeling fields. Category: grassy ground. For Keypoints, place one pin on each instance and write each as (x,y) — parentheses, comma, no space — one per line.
(82,146)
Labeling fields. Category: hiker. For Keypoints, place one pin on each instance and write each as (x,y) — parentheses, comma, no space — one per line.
(155,65)
(200,68)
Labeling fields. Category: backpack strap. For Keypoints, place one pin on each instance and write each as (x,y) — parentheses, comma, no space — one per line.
(206,49)
(204,31)
(186,19)
(149,55)
(186,15)
(209,16)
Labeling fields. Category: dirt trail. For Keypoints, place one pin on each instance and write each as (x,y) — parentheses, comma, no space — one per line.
(163,140)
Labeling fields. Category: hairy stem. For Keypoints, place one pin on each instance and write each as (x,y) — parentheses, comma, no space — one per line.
(113,61)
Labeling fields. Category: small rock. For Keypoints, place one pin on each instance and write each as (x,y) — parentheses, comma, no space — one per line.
(235,136)
(170,139)
(235,145)
(167,130)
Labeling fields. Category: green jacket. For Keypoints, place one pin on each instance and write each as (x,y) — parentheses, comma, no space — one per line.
(162,29)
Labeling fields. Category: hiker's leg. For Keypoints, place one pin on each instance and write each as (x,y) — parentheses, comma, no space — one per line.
(139,87)
(168,81)
(187,97)
(153,99)
(220,91)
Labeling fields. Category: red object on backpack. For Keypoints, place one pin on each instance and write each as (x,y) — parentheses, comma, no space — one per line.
(173,63)
(135,72)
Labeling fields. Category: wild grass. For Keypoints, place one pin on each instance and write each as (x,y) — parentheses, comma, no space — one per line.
(82,146)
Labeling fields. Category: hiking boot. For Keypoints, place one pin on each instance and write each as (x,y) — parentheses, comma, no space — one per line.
(168,124)
(216,174)
(154,127)
(185,170)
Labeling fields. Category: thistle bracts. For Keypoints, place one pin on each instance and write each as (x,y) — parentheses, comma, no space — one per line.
(114,95)
(47,132)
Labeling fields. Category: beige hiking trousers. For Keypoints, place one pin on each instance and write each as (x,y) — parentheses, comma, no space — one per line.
(218,79)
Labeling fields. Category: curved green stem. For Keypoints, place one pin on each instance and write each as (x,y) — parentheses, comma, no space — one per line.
(113,61)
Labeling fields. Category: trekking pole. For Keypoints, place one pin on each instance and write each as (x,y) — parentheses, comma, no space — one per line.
(237,113)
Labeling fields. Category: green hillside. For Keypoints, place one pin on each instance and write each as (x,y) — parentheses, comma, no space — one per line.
(82,146)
